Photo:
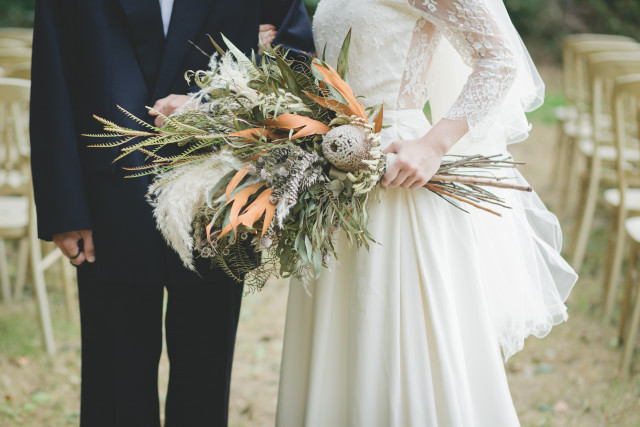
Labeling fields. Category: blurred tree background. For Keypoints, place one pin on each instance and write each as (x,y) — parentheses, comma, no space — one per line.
(542,23)
(16,13)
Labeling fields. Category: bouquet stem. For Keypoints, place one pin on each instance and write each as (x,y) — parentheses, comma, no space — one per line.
(486,182)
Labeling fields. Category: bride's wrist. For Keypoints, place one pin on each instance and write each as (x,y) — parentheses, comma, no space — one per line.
(445,134)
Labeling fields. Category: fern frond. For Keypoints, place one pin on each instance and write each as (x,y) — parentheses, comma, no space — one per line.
(138,120)
(141,174)
(140,168)
(105,121)
(113,144)
(102,135)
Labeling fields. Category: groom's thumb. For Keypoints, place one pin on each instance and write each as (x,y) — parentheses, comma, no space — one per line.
(89,249)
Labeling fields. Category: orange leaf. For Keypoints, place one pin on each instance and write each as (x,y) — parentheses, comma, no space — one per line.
(237,178)
(250,134)
(333,78)
(224,231)
(307,126)
(331,104)
(261,205)
(239,200)
(270,210)
(377,123)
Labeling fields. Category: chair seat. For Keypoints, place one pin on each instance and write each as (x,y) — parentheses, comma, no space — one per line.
(607,152)
(14,213)
(565,113)
(577,129)
(581,127)
(632,225)
(612,197)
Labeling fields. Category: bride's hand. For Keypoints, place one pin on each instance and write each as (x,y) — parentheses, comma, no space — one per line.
(416,162)
(419,159)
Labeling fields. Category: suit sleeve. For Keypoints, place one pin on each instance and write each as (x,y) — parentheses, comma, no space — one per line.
(292,22)
(59,189)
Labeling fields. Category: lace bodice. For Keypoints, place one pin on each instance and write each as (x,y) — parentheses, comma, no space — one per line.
(393,45)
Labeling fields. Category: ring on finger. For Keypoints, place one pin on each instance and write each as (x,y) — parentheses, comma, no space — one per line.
(75,256)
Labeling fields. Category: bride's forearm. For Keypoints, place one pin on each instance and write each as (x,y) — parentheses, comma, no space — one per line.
(446,133)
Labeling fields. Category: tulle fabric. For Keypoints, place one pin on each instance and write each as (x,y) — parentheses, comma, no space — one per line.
(409,333)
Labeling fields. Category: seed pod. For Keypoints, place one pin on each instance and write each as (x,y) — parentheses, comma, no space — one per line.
(345,147)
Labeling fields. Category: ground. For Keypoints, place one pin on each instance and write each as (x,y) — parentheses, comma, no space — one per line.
(569,378)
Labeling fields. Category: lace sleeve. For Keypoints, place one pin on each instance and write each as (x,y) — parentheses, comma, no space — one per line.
(470,28)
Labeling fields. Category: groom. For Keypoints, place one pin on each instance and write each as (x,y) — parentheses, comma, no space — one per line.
(89,57)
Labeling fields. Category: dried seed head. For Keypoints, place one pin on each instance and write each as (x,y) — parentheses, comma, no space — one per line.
(345,147)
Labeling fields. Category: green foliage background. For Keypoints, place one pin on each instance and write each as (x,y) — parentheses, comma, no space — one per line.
(16,13)
(542,23)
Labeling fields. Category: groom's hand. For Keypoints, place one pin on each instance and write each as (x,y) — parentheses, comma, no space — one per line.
(168,106)
(76,245)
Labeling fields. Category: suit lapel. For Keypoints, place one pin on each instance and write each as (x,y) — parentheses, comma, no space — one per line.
(145,25)
(187,20)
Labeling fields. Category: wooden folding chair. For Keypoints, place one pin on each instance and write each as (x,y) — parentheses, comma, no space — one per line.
(17,210)
(14,55)
(625,199)
(579,126)
(5,42)
(18,33)
(599,150)
(19,71)
(631,294)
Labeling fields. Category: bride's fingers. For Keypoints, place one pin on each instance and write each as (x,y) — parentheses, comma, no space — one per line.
(404,175)
(389,176)
(418,183)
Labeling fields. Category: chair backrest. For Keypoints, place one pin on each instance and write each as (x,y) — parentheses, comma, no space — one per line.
(14,55)
(578,90)
(567,53)
(14,136)
(626,103)
(24,34)
(5,42)
(603,69)
(19,71)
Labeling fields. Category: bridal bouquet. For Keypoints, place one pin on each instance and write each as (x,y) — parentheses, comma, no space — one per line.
(276,156)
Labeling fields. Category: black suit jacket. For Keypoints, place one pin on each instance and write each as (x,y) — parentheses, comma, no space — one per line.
(89,57)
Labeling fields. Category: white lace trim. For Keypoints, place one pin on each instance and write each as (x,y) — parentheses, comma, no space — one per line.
(473,32)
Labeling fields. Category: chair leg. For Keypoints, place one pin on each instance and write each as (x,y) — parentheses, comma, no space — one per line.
(569,178)
(616,261)
(589,199)
(629,342)
(630,279)
(561,155)
(23,265)
(66,276)
(40,291)
(4,274)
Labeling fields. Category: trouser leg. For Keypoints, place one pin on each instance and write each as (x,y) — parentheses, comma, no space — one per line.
(121,345)
(201,324)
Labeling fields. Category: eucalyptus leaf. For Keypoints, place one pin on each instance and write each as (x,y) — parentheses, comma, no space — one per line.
(223,182)
(343,57)
(317,263)
(308,246)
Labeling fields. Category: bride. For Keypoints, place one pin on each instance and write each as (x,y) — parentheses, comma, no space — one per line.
(409,334)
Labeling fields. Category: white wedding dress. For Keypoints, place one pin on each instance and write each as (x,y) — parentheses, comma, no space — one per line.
(409,333)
